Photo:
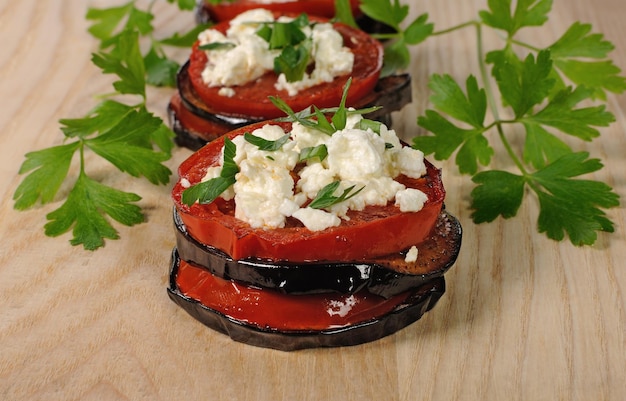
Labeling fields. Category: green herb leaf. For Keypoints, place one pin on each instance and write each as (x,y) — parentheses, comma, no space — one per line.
(498,193)
(572,206)
(542,147)
(418,30)
(449,98)
(160,71)
(208,191)
(392,14)
(343,13)
(217,46)
(128,146)
(83,210)
(293,61)
(265,144)
(473,147)
(185,39)
(100,119)
(48,169)
(127,64)
(326,198)
(561,114)
(184,4)
(527,13)
(320,152)
(525,88)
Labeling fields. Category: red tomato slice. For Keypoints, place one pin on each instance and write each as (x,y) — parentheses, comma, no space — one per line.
(373,232)
(266,308)
(252,99)
(228,10)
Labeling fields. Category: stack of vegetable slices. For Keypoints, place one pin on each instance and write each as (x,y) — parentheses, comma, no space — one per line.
(199,113)
(292,288)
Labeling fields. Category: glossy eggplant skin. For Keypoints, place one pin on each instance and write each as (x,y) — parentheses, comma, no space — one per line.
(391,93)
(385,277)
(421,300)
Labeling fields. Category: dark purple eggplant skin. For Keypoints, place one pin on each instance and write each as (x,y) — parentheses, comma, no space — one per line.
(439,252)
(391,93)
(421,300)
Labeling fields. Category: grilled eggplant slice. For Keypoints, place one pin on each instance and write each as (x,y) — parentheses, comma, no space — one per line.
(391,93)
(410,307)
(385,277)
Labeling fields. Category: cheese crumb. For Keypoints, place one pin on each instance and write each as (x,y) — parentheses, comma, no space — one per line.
(411,255)
(410,200)
(316,219)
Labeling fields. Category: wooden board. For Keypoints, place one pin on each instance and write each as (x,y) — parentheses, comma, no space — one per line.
(524,318)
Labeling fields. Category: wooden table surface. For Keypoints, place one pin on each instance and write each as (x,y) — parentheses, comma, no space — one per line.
(523,318)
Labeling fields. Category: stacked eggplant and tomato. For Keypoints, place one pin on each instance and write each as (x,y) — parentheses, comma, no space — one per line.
(361,271)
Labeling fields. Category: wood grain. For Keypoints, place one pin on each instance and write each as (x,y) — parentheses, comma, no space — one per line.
(524,318)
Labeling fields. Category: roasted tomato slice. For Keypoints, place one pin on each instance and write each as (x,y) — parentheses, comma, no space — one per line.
(265,308)
(373,232)
(252,99)
(228,10)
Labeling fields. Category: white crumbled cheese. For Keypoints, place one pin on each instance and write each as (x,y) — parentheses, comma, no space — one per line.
(313,178)
(316,219)
(249,57)
(226,91)
(185,183)
(341,308)
(411,255)
(410,200)
(354,154)
(331,60)
(266,193)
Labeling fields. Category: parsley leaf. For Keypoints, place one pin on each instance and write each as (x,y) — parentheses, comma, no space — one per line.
(499,193)
(326,198)
(126,135)
(527,13)
(83,211)
(320,152)
(582,57)
(127,64)
(265,144)
(48,168)
(547,93)
(561,114)
(473,147)
(128,146)
(573,206)
(393,14)
(295,45)
(208,191)
(526,87)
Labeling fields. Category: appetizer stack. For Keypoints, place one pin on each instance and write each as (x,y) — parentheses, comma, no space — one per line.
(237,65)
(318,229)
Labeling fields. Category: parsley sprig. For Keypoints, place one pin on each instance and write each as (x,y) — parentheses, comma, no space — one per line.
(118,129)
(207,191)
(548,93)
(326,196)
(293,43)
(393,14)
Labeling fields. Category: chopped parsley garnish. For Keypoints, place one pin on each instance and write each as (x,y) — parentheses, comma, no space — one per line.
(208,191)
(294,44)
(326,198)
(265,144)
